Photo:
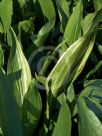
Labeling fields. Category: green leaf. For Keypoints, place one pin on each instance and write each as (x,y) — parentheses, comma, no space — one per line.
(25,28)
(1,28)
(63,11)
(6,11)
(97,67)
(91,21)
(34,1)
(1,56)
(70,93)
(85,58)
(93,89)
(26,25)
(63,124)
(66,67)
(9,116)
(89,124)
(73,28)
(44,32)
(97,82)
(100,49)
(97,4)
(17,61)
(94,106)
(22,3)
(41,79)
(47,8)
(31,110)
(61,48)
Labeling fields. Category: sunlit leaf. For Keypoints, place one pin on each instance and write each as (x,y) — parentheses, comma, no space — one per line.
(6,13)
(17,61)
(83,62)
(47,8)
(44,32)
(91,21)
(70,93)
(97,4)
(73,28)
(63,10)
(93,90)
(22,3)
(89,124)
(66,67)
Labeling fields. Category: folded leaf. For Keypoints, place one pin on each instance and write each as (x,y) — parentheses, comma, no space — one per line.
(17,61)
(66,67)
(85,58)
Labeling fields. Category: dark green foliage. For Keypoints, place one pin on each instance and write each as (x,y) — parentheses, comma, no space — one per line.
(50,67)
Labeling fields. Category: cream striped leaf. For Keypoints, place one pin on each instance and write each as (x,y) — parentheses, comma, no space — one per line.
(17,61)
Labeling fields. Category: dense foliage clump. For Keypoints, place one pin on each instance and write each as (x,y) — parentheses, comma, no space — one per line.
(50,67)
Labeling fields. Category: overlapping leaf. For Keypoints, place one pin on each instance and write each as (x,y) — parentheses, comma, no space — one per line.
(89,124)
(73,28)
(47,8)
(66,67)
(63,10)
(97,4)
(22,3)
(83,62)
(92,89)
(17,61)
(91,21)
(31,111)
(9,116)
(44,32)
(26,25)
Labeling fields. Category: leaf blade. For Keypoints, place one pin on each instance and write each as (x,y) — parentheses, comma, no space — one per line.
(63,125)
(73,28)
(17,61)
